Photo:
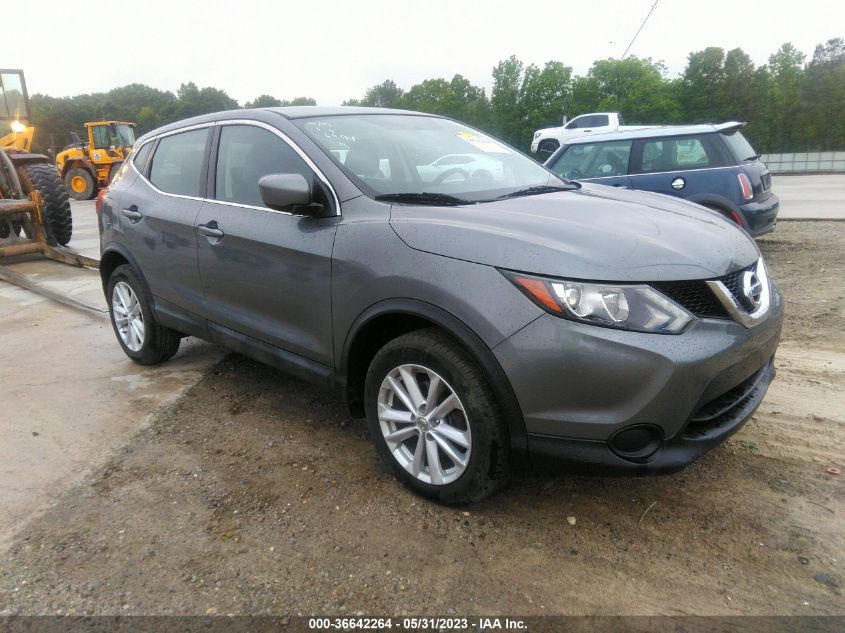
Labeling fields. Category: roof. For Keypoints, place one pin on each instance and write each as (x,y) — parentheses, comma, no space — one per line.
(299,112)
(658,131)
(289,112)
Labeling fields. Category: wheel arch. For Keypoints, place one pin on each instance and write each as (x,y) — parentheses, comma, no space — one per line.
(720,204)
(81,163)
(388,319)
(115,255)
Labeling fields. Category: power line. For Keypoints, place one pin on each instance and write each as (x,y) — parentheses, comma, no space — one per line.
(634,39)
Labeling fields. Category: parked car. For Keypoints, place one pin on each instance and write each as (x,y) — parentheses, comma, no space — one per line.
(475,329)
(547,140)
(712,165)
(460,167)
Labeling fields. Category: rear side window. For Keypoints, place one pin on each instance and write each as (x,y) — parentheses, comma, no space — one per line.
(594,160)
(739,146)
(246,154)
(141,156)
(593,120)
(679,153)
(178,163)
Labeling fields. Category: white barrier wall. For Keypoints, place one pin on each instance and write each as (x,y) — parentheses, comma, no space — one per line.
(806,161)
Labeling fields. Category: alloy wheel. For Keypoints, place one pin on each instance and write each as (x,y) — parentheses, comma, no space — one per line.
(424,424)
(128,316)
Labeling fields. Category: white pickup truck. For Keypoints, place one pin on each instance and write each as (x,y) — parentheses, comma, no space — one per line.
(547,141)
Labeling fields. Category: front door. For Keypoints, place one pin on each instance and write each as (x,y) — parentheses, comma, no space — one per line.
(265,273)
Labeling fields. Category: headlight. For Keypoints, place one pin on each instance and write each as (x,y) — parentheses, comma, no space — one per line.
(18,127)
(537,134)
(627,307)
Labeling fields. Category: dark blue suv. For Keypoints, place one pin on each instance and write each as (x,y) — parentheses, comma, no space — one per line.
(712,165)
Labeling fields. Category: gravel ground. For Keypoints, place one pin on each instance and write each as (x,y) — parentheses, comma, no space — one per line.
(257,494)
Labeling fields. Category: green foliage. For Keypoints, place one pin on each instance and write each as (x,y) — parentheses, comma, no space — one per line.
(264,101)
(150,108)
(789,105)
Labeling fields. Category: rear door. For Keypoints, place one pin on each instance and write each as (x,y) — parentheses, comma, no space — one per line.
(604,163)
(156,215)
(265,273)
(680,166)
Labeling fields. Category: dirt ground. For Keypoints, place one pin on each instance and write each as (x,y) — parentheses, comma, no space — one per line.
(258,494)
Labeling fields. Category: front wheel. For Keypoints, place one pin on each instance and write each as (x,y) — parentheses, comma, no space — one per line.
(140,335)
(434,419)
(80,184)
(546,149)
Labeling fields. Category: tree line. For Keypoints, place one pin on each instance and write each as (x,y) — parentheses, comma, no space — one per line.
(791,104)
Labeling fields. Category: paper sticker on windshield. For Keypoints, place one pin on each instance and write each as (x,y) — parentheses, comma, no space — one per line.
(484,144)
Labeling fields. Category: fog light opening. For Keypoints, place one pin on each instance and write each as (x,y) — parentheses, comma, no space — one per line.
(636,443)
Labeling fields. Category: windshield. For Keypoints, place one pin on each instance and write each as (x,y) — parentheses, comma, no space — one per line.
(406,154)
(126,134)
(740,147)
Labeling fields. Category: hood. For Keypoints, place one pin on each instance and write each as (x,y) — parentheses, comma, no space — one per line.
(599,233)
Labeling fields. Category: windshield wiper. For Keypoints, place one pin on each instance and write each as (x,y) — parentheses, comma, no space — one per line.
(437,199)
(755,157)
(538,189)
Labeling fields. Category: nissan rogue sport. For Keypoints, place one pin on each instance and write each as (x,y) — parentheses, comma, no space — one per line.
(478,318)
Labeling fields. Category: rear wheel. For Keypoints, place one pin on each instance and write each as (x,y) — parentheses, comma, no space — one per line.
(729,215)
(80,183)
(141,336)
(434,419)
(43,177)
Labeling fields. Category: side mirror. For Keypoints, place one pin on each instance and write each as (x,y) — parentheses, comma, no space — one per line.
(288,192)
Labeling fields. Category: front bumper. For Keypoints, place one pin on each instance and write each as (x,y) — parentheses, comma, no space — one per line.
(580,385)
(535,145)
(760,217)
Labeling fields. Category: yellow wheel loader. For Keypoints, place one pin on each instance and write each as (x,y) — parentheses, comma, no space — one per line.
(33,198)
(86,166)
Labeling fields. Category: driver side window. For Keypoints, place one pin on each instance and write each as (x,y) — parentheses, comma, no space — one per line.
(102,140)
(594,160)
(246,153)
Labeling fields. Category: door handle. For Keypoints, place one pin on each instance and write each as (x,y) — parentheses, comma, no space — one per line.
(132,213)
(210,230)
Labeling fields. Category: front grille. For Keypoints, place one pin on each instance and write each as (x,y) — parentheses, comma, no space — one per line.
(696,296)
(729,408)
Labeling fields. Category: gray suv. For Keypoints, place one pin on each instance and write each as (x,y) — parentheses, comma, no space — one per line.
(481,313)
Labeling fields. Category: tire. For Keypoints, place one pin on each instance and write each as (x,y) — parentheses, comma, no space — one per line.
(546,148)
(158,343)
(80,184)
(477,415)
(58,222)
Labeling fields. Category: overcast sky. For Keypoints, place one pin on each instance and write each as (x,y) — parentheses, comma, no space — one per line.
(333,50)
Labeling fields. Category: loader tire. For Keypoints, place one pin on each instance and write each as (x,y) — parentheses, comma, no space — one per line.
(80,184)
(58,222)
